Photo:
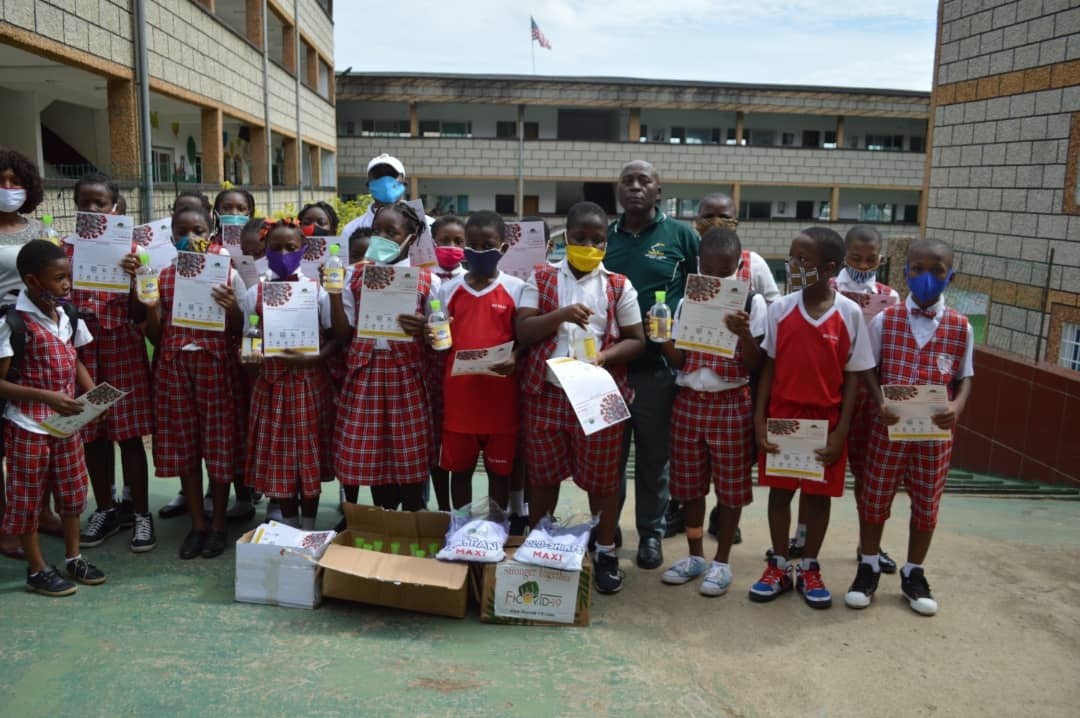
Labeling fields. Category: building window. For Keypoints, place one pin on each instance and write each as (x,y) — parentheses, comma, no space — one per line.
(703,136)
(506,130)
(163,164)
(275,37)
(1069,354)
(384,128)
(350,128)
(761,138)
(644,136)
(811,138)
(830,140)
(324,79)
(917,144)
(755,210)
(787,139)
(678,135)
(440,128)
(885,143)
(504,203)
(875,212)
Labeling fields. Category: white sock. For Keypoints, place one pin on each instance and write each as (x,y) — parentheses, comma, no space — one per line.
(73,558)
(293,521)
(805,563)
(517,503)
(800,535)
(126,493)
(908,568)
(609,550)
(720,564)
(874,559)
(781,562)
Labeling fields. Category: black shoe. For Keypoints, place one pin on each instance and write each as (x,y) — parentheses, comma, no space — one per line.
(49,582)
(862,588)
(794,551)
(714,528)
(738,536)
(650,553)
(125,514)
(674,519)
(917,591)
(886,563)
(176,507)
(100,526)
(143,538)
(193,544)
(519,525)
(215,544)
(341,526)
(606,573)
(240,512)
(80,570)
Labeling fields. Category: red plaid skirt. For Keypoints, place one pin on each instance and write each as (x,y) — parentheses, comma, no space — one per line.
(201,414)
(556,447)
(37,461)
(118,356)
(858,438)
(710,443)
(383,425)
(290,431)
(435,368)
(922,466)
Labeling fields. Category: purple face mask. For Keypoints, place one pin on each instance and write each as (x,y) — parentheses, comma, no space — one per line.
(284,264)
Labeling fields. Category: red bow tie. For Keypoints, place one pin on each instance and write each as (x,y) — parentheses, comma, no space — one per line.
(919,312)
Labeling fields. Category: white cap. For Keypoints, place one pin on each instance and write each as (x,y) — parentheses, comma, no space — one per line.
(385,159)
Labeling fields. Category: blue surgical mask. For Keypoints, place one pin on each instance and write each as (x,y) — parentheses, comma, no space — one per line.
(926,287)
(861,277)
(484,263)
(386,190)
(382,250)
(227,220)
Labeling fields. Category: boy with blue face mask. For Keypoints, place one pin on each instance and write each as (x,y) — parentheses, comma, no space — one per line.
(921,342)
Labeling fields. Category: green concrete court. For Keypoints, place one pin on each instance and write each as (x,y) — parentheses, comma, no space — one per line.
(163,637)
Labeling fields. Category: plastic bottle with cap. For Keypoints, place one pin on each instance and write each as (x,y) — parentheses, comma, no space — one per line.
(47,230)
(440,327)
(251,348)
(334,271)
(146,281)
(660,319)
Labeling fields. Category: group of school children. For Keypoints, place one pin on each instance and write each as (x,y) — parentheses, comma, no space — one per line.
(390,415)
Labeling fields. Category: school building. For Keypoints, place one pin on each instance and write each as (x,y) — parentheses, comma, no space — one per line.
(166,95)
(524,145)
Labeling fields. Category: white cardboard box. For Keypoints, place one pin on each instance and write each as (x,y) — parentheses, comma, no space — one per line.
(276,576)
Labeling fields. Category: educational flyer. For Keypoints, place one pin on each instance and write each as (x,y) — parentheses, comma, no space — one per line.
(388,292)
(95,403)
(798,439)
(290,317)
(250,269)
(422,251)
(871,304)
(101,242)
(155,238)
(230,238)
(528,248)
(592,392)
(317,251)
(707,302)
(916,406)
(193,304)
(480,361)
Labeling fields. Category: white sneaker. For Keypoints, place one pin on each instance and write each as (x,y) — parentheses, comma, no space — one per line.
(685,570)
(716,581)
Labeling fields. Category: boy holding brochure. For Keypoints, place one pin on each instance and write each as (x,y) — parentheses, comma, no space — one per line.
(482,305)
(712,419)
(919,345)
(566,311)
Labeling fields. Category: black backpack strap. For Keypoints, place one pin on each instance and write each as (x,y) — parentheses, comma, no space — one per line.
(750,300)
(73,317)
(17,326)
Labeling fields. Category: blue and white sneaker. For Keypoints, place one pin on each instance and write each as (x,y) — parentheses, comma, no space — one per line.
(717,580)
(812,587)
(775,581)
(685,570)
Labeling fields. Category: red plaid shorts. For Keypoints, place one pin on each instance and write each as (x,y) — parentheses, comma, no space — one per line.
(921,466)
(290,431)
(710,443)
(118,356)
(199,415)
(37,461)
(556,447)
(383,425)
(858,438)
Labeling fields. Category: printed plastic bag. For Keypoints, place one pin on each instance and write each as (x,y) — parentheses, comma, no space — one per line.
(554,546)
(477,533)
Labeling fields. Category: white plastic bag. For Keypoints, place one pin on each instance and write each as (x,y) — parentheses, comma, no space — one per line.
(477,534)
(554,546)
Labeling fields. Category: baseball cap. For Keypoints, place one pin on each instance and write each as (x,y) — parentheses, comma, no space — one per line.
(385,159)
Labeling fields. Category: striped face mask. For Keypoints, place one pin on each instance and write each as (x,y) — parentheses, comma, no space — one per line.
(861,277)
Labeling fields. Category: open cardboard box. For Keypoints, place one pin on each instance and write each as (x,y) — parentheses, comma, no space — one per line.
(398,569)
(275,575)
(526,595)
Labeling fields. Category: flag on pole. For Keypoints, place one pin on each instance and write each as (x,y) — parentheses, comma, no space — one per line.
(538,35)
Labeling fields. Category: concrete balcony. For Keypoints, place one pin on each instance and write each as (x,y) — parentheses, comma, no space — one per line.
(565,160)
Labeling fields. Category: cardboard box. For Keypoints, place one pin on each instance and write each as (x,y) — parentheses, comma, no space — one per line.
(389,573)
(276,576)
(522,594)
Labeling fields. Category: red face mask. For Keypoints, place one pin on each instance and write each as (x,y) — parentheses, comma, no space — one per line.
(449,257)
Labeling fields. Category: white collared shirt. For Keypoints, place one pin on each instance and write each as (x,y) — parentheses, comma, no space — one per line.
(249,303)
(923,329)
(62,330)
(707,380)
(761,279)
(845,283)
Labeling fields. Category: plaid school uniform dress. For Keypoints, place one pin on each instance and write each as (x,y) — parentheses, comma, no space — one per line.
(555,445)
(384,434)
(865,415)
(290,428)
(921,465)
(711,432)
(199,397)
(117,356)
(35,460)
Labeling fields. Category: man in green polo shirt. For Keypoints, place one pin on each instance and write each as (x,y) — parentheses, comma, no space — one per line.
(656,253)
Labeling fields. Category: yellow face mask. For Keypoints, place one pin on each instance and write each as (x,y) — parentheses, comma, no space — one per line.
(705,224)
(584,259)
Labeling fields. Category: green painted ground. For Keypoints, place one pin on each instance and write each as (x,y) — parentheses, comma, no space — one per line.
(163,637)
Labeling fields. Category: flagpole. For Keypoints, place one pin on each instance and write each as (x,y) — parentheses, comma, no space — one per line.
(532,47)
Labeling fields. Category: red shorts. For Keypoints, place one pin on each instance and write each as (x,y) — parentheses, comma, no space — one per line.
(922,466)
(460,451)
(556,447)
(710,444)
(833,485)
(37,461)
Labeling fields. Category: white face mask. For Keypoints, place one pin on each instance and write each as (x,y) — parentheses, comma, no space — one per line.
(12,199)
